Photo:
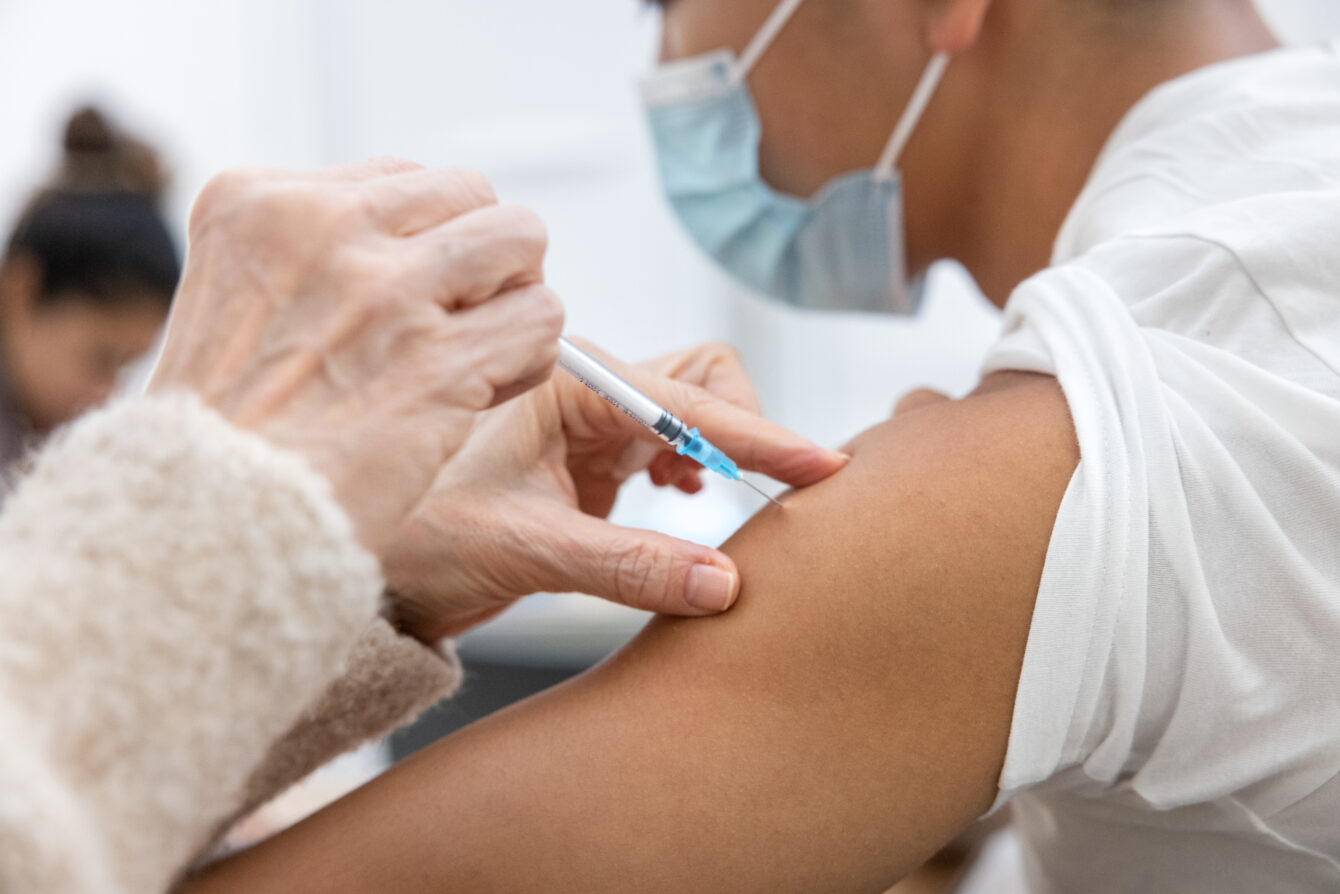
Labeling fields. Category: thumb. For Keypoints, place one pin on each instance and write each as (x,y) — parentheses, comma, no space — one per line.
(646,570)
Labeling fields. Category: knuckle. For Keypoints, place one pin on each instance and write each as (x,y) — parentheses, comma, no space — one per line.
(527,226)
(473,185)
(725,353)
(472,391)
(357,272)
(327,212)
(362,208)
(231,181)
(223,192)
(636,576)
(283,200)
(543,360)
(394,164)
(718,355)
(548,314)
(697,400)
(453,260)
(341,220)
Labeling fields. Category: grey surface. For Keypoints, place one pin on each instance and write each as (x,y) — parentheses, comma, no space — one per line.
(539,643)
(488,688)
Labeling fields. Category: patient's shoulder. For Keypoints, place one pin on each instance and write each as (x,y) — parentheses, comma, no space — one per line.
(1011,418)
(952,493)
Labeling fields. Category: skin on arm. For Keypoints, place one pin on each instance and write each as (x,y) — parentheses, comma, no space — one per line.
(845,720)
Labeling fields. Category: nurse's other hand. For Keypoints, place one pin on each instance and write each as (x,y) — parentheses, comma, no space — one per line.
(521,509)
(362,317)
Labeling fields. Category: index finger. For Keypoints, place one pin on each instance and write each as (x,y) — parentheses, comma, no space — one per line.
(750,440)
(716,367)
(368,169)
(415,201)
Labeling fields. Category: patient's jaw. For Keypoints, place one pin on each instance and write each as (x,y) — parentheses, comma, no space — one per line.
(828,90)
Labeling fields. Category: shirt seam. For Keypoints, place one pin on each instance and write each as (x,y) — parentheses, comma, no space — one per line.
(1279,838)
(1246,272)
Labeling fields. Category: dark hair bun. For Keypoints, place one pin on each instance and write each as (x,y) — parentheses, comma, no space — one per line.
(88,131)
(99,158)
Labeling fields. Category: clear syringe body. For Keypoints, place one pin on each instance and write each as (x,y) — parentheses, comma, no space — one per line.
(632,402)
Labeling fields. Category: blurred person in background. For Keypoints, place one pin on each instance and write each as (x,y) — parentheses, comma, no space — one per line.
(85,284)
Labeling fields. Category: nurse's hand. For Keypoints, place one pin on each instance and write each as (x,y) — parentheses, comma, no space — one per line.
(521,509)
(361,317)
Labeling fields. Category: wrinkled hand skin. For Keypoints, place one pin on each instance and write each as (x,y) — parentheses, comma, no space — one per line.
(522,507)
(361,317)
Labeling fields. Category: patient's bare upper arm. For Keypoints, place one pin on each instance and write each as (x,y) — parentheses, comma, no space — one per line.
(842,722)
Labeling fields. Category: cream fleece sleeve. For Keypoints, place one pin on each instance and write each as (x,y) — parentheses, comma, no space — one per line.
(173,594)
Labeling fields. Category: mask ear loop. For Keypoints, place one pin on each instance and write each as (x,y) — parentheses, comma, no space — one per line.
(764,38)
(916,107)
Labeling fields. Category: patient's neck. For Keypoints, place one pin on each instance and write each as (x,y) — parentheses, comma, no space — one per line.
(1049,92)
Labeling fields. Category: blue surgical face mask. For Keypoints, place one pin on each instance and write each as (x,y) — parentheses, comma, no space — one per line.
(841,250)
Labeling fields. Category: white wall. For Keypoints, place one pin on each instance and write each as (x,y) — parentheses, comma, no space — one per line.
(537,93)
(1302,21)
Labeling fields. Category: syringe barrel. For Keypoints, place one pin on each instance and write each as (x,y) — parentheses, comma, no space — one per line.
(605,382)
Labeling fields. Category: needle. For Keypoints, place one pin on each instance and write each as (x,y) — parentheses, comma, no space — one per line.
(761,493)
(664,424)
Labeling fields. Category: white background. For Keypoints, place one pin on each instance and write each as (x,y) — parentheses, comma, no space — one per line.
(539,94)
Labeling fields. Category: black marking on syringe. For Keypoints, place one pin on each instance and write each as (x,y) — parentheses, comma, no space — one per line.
(612,401)
(668,428)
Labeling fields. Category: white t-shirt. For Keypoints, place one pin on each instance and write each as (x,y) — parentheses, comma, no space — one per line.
(1177,724)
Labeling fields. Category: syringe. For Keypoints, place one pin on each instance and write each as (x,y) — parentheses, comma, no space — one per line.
(666,425)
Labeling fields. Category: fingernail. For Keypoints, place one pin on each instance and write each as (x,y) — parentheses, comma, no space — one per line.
(837,457)
(709,588)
